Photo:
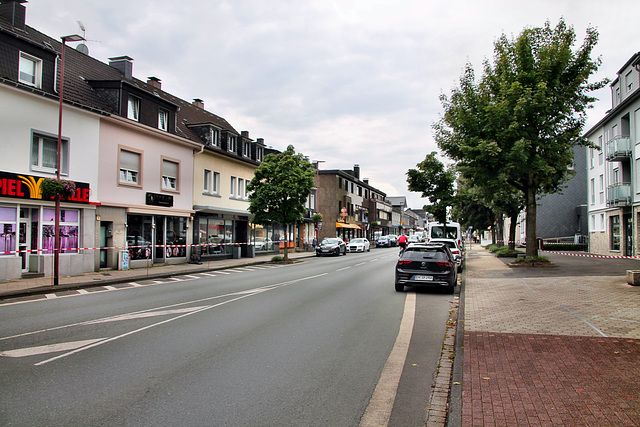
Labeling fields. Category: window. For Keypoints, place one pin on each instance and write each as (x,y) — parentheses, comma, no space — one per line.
(44,154)
(591,157)
(259,154)
(246,148)
(7,230)
(240,188)
(133,111)
(206,185)
(615,233)
(69,227)
(601,188)
(232,187)
(129,165)
(30,70)
(216,183)
(231,146)
(593,191)
(214,138)
(163,118)
(629,82)
(169,175)
(600,151)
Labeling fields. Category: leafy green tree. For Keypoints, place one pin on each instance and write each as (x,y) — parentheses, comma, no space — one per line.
(280,188)
(434,181)
(520,122)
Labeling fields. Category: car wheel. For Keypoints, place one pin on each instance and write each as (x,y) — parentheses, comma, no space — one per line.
(399,287)
(451,288)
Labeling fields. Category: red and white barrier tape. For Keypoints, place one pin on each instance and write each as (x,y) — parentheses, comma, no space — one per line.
(592,256)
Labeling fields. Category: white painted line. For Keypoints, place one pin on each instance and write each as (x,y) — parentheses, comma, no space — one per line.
(145,315)
(584,320)
(51,296)
(234,270)
(223,272)
(82,291)
(157,282)
(379,409)
(51,348)
(190,276)
(176,279)
(111,288)
(208,274)
(343,268)
(135,284)
(360,263)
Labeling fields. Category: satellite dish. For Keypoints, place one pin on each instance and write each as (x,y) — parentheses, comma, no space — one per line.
(83,48)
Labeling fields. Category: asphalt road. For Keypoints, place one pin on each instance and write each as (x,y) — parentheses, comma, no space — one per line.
(303,344)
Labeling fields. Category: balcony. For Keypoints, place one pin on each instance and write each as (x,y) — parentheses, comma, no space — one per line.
(618,149)
(619,195)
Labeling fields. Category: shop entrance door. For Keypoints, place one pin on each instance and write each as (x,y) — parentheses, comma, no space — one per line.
(24,244)
(103,244)
(158,253)
(628,224)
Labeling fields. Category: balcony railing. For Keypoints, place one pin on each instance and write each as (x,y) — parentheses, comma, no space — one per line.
(619,148)
(619,195)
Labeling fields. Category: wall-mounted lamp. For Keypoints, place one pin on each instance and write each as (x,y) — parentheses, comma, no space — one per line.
(97,217)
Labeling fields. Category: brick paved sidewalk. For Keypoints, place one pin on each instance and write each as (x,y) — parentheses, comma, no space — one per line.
(542,350)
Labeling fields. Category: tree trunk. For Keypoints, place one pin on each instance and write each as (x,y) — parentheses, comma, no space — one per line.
(512,232)
(532,244)
(500,229)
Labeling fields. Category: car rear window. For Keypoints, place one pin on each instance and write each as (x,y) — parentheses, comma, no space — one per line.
(421,252)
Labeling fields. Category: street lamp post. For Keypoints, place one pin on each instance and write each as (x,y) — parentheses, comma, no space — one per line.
(56,250)
(317,163)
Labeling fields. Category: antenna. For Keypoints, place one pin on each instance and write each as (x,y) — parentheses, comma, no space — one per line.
(82,47)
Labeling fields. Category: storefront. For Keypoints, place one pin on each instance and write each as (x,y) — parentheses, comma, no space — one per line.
(221,235)
(27,229)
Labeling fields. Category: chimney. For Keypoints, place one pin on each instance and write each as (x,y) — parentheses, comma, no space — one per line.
(124,64)
(356,171)
(154,82)
(14,12)
(366,181)
(198,103)
(260,141)
(245,134)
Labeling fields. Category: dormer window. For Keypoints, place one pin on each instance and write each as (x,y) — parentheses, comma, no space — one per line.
(133,108)
(163,119)
(259,154)
(30,71)
(214,138)
(246,148)
(231,144)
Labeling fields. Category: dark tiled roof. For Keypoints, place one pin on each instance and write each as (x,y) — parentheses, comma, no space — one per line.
(80,69)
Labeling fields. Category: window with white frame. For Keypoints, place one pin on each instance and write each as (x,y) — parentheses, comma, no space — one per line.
(246,190)
(207,184)
(601,222)
(232,186)
(593,191)
(231,144)
(211,182)
(593,223)
(592,157)
(129,165)
(215,138)
(240,188)
(259,154)
(170,171)
(163,118)
(246,148)
(44,154)
(30,70)
(629,82)
(133,108)
(600,151)
(601,188)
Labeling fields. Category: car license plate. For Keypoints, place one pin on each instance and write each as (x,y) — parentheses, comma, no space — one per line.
(425,278)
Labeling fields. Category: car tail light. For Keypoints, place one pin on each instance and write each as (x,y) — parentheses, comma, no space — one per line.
(404,261)
(444,263)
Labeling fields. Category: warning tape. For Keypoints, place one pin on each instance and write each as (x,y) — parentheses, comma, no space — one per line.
(201,245)
(592,256)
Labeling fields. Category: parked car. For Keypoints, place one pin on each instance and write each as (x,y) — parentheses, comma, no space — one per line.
(263,244)
(359,244)
(393,239)
(458,254)
(383,242)
(331,246)
(426,264)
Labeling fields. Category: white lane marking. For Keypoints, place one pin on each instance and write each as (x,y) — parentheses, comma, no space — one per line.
(208,274)
(379,409)
(148,314)
(134,284)
(51,348)
(256,291)
(360,263)
(223,272)
(190,276)
(111,288)
(50,296)
(343,268)
(175,279)
(584,320)
(82,291)
(157,282)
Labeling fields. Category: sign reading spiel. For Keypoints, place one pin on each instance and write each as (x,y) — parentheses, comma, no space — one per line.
(28,187)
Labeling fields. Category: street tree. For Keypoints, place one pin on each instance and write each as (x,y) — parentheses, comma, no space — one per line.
(525,115)
(280,188)
(435,181)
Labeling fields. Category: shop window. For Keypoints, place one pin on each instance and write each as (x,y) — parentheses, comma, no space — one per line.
(176,237)
(139,236)
(69,230)
(615,233)
(7,231)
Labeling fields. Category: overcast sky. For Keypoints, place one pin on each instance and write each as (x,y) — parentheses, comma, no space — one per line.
(344,81)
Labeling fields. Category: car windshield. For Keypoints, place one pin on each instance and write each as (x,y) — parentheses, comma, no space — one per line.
(357,241)
(330,241)
(383,238)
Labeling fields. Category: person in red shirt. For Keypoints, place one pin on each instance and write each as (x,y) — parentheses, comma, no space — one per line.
(402,242)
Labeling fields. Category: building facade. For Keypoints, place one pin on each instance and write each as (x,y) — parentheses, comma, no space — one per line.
(614,169)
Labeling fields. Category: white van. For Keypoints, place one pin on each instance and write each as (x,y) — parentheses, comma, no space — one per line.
(451,230)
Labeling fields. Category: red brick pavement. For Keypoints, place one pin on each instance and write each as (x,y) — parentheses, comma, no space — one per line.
(550,380)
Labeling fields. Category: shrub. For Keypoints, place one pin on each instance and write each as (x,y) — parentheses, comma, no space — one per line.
(532,259)
(505,252)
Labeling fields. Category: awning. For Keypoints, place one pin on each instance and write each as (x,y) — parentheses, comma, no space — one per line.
(343,225)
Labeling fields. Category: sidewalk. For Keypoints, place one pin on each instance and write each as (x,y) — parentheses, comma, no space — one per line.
(44,285)
(549,346)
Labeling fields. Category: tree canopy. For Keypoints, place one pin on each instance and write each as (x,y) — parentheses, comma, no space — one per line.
(518,124)
(435,181)
(280,188)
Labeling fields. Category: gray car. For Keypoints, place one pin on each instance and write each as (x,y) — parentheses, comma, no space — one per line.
(426,265)
(331,246)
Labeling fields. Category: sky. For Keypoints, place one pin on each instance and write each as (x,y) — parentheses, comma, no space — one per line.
(345,82)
